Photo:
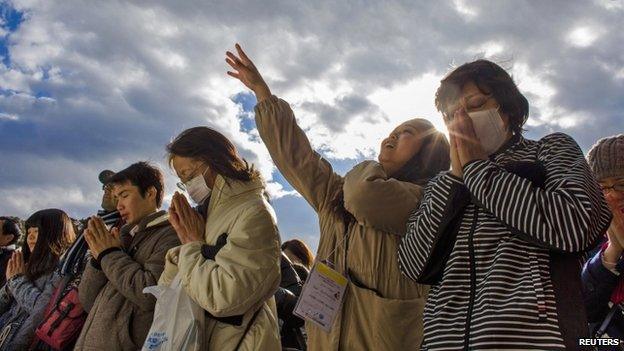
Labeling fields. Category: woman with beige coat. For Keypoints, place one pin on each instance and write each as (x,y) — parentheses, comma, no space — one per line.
(229,258)
(382,310)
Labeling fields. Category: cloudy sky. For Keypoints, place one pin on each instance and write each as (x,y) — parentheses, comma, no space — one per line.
(91,85)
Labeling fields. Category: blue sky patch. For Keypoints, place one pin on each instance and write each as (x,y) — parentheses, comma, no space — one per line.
(10,21)
(247,101)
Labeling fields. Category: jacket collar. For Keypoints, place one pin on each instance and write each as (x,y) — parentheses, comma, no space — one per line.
(513,142)
(225,191)
(155,219)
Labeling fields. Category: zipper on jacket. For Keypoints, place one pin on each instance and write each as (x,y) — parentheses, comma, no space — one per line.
(473,276)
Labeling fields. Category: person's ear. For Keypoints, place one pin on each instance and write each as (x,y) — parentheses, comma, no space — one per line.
(150,194)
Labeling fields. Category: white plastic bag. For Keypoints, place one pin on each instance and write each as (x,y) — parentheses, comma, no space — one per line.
(178,321)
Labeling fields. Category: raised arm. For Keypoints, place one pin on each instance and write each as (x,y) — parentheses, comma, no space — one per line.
(306,171)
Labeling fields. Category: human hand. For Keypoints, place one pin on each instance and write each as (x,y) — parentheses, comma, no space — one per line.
(188,224)
(468,145)
(247,73)
(456,166)
(616,229)
(16,265)
(99,238)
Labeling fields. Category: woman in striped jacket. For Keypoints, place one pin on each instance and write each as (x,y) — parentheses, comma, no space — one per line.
(500,237)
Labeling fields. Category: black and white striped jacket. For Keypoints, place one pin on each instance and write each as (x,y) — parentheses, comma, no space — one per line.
(502,248)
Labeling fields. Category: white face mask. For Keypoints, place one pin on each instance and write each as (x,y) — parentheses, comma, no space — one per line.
(197,189)
(490,129)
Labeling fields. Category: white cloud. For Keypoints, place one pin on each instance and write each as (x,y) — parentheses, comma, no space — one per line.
(613,5)
(490,49)
(276,191)
(23,201)
(105,84)
(8,116)
(411,99)
(583,36)
(463,8)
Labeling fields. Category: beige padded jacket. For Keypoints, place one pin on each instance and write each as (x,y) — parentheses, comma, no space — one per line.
(383,310)
(244,274)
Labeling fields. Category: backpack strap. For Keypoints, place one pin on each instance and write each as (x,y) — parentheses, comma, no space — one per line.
(251,322)
(607,321)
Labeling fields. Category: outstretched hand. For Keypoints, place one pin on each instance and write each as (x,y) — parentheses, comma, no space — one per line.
(247,73)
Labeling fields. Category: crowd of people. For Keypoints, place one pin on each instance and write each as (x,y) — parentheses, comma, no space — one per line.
(482,240)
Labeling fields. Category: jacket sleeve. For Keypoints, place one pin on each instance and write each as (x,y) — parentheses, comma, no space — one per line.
(91,283)
(598,285)
(171,267)
(569,213)
(378,202)
(244,272)
(305,170)
(430,235)
(29,296)
(6,299)
(130,277)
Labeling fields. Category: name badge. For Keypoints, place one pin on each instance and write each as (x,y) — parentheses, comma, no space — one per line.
(322,295)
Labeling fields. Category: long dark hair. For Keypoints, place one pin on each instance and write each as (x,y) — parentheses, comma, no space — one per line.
(56,233)
(213,148)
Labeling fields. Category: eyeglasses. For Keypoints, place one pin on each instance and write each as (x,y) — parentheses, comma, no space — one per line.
(617,187)
(470,103)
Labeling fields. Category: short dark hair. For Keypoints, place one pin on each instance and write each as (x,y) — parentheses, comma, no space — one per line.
(142,175)
(10,226)
(213,148)
(489,78)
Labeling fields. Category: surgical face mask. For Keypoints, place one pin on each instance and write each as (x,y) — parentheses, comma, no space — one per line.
(490,129)
(197,188)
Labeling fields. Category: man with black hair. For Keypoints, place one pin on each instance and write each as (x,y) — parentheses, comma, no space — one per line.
(109,213)
(125,261)
(73,264)
(9,234)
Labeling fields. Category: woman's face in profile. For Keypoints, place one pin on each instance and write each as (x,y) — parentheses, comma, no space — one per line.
(31,239)
(399,147)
